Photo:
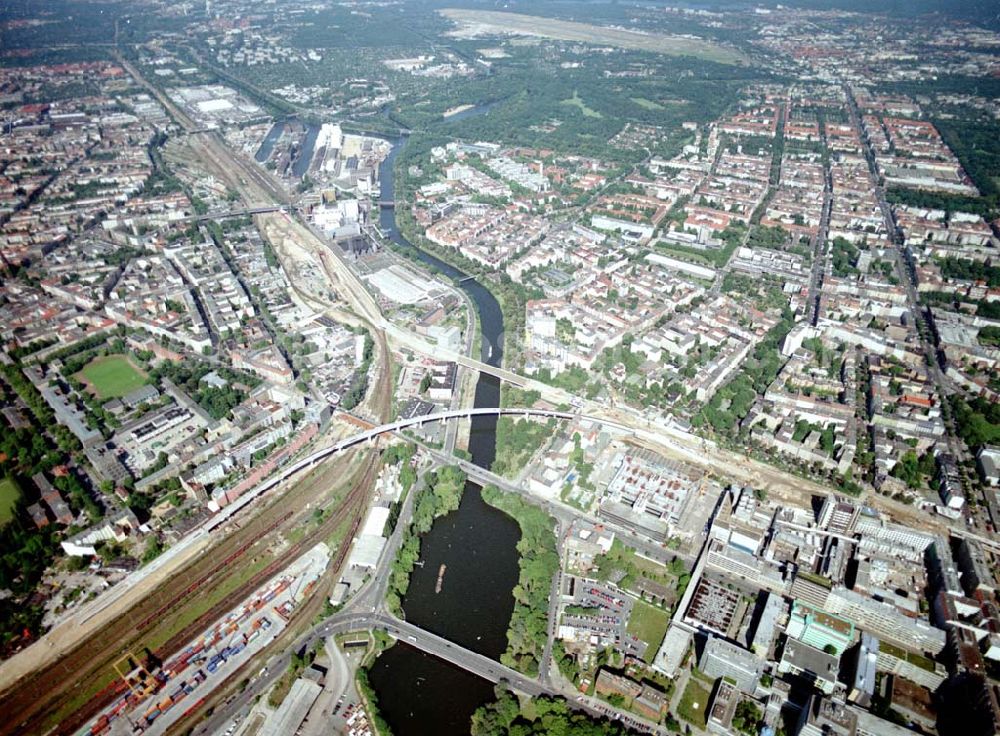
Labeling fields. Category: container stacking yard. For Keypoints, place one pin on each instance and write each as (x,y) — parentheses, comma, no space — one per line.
(152,702)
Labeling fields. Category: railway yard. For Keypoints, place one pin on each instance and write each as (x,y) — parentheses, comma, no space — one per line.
(249,553)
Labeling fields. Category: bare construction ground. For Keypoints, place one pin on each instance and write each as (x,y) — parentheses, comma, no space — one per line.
(474,23)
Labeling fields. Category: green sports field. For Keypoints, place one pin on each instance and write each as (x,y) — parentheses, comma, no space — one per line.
(112,376)
(9,496)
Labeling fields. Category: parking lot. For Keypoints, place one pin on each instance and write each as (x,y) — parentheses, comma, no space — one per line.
(612,609)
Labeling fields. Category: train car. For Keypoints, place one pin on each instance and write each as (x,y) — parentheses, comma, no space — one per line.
(194,708)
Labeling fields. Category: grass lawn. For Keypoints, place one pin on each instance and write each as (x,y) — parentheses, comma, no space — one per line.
(684,255)
(648,567)
(647,104)
(576,101)
(649,623)
(112,376)
(9,496)
(716,257)
(694,703)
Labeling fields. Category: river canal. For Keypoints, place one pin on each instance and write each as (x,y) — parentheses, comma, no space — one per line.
(419,694)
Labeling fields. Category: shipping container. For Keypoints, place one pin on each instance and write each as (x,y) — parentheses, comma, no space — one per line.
(181,670)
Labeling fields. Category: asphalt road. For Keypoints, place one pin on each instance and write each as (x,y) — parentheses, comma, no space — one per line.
(943,385)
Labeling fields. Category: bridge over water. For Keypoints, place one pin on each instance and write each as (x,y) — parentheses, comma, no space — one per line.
(370,434)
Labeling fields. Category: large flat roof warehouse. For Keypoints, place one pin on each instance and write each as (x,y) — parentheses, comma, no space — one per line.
(294,707)
(367,550)
(375,523)
(214,105)
(402,285)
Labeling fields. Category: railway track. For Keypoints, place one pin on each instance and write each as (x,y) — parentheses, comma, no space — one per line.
(352,505)
(306,612)
(25,706)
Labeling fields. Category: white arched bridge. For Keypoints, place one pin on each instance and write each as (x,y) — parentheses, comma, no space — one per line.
(370,434)
(441,416)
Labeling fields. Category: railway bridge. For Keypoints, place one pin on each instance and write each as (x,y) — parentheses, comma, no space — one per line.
(368,435)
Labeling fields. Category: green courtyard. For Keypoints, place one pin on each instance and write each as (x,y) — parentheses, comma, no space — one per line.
(694,703)
(10,494)
(649,623)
